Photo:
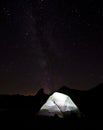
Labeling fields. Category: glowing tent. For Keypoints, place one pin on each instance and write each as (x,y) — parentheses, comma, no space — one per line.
(59,104)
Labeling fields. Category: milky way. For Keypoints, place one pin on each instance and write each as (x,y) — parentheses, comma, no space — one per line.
(50,43)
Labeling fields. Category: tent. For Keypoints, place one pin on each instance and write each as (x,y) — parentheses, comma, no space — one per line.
(59,104)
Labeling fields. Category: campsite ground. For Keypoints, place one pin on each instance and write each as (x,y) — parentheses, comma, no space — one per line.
(13,120)
(43,123)
(26,119)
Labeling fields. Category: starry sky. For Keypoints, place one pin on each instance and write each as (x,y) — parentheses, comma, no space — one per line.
(50,43)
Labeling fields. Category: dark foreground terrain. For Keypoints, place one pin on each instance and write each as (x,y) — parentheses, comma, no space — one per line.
(21,112)
(47,123)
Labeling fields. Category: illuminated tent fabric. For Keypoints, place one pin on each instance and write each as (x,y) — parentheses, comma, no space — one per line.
(59,104)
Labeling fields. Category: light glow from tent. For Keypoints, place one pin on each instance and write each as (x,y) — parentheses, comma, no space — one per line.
(59,104)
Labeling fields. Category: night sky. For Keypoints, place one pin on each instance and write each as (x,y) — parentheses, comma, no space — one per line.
(50,43)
